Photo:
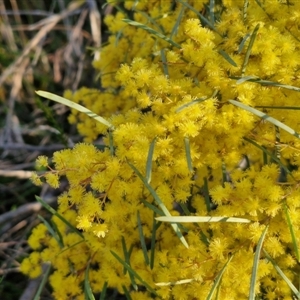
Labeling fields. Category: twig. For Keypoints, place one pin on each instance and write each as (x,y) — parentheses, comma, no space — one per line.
(12,127)
(6,30)
(21,174)
(10,270)
(25,12)
(6,245)
(23,211)
(50,23)
(18,146)
(95,21)
(17,17)
(32,287)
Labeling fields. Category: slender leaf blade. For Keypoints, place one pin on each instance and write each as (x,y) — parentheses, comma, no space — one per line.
(160,204)
(142,239)
(152,31)
(292,231)
(131,271)
(149,161)
(87,287)
(103,291)
(178,282)
(199,219)
(218,279)
(201,17)
(164,62)
(284,277)
(252,39)
(126,293)
(152,207)
(227,57)
(45,275)
(265,117)
(274,158)
(242,44)
(279,107)
(153,241)
(54,212)
(188,154)
(255,264)
(52,232)
(74,105)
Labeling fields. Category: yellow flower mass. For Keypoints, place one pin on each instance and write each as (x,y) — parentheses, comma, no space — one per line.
(191,95)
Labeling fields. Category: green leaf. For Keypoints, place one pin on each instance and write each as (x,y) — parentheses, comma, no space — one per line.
(52,232)
(55,213)
(126,293)
(45,276)
(245,8)
(178,282)
(227,57)
(142,239)
(198,100)
(211,11)
(184,208)
(247,78)
(224,174)
(111,143)
(265,117)
(255,264)
(125,253)
(131,271)
(279,107)
(218,280)
(292,231)
(277,84)
(201,17)
(74,105)
(164,62)
(127,260)
(283,276)
(265,156)
(87,287)
(177,23)
(71,246)
(152,31)
(152,20)
(198,219)
(118,37)
(153,240)
(149,161)
(152,207)
(160,204)
(274,158)
(255,79)
(103,291)
(252,39)
(59,235)
(206,195)
(188,154)
(242,44)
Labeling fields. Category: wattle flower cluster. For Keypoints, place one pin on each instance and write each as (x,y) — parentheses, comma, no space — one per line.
(172,83)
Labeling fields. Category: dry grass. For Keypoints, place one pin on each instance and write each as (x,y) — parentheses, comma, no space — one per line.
(43,45)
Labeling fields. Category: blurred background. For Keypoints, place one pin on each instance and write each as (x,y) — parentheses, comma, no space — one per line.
(44,45)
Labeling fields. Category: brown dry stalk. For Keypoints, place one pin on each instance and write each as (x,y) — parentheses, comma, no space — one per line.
(50,23)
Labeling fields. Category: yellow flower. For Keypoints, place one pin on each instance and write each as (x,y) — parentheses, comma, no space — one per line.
(218,248)
(84,222)
(52,179)
(42,161)
(35,178)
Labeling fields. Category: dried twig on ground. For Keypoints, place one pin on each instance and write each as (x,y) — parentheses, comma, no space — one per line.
(50,23)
